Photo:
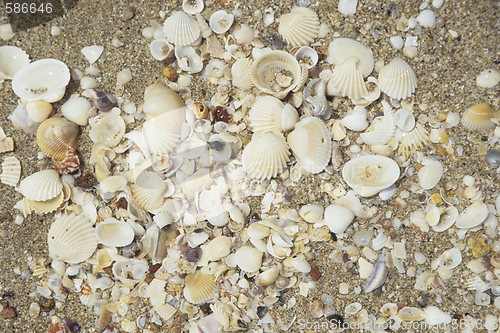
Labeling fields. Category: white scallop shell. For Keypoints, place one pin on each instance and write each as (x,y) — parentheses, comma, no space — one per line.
(268,277)
(76,109)
(166,311)
(397,79)
(114,233)
(370,174)
(150,190)
(265,114)
(342,49)
(446,220)
(365,268)
(42,185)
(199,288)
(181,29)
(12,60)
(382,129)
(300,26)
(221,21)
(404,119)
(430,175)
(311,144)
(249,259)
(218,248)
(347,79)
(240,72)
(38,110)
(188,59)
(192,7)
(337,218)
(11,171)
(71,239)
(473,215)
(413,140)
(266,155)
(289,118)
(42,80)
(161,49)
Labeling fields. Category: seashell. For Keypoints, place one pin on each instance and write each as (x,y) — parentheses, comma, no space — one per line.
(450,258)
(404,120)
(275,73)
(42,80)
(486,79)
(308,56)
(280,239)
(368,175)
(300,26)
(159,99)
(161,49)
(187,59)
(42,185)
(289,118)
(113,184)
(301,265)
(268,277)
(397,79)
(221,21)
(76,109)
(382,129)
(38,110)
(315,99)
(342,49)
(311,213)
(154,243)
(92,53)
(243,35)
(220,150)
(240,72)
(108,129)
(181,29)
(446,219)
(192,7)
(347,79)
(191,148)
(11,171)
(249,259)
(258,231)
(378,277)
(492,158)
(311,144)
(337,218)
(432,216)
(473,215)
(150,190)
(55,136)
(365,268)
(114,233)
(47,206)
(166,311)
(413,141)
(71,239)
(411,314)
(338,130)
(430,174)
(13,59)
(266,114)
(478,118)
(265,156)
(355,120)
(199,288)
(218,248)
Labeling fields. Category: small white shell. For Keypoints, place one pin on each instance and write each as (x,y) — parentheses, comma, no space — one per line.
(430,175)
(301,265)
(181,29)
(337,218)
(347,79)
(488,78)
(473,215)
(11,171)
(221,21)
(76,109)
(187,59)
(192,7)
(404,119)
(161,49)
(355,120)
(114,233)
(244,35)
(307,55)
(300,26)
(447,219)
(311,213)
(42,185)
(92,53)
(342,49)
(13,59)
(240,72)
(249,259)
(411,314)
(382,129)
(289,118)
(266,114)
(38,110)
(268,277)
(397,79)
(108,130)
(451,258)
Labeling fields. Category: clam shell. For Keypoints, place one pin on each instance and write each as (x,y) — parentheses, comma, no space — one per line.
(337,218)
(268,277)
(181,29)
(49,205)
(446,220)
(266,114)
(307,55)
(275,73)
(71,239)
(382,129)
(404,119)
(11,171)
(397,79)
(161,49)
(42,80)
(55,136)
(159,99)
(42,185)
(347,79)
(166,311)
(114,233)
(76,109)
(249,259)
(430,175)
(220,21)
(266,155)
(413,141)
(311,144)
(301,265)
(199,288)
(368,175)
(300,26)
(411,314)
(38,110)
(478,117)
(12,60)
(450,258)
(289,118)
(342,49)
(113,183)
(218,248)
(258,231)
(240,72)
(473,215)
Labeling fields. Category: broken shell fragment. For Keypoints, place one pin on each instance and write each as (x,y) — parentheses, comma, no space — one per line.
(314,96)
(240,72)
(39,110)
(378,277)
(161,49)
(11,171)
(382,129)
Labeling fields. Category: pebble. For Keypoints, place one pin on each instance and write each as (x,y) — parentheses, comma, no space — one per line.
(8,312)
(128,13)
(397,42)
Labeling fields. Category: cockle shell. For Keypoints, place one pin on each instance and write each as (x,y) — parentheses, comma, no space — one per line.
(181,29)
(150,190)
(114,233)
(342,49)
(76,109)
(347,79)
(275,73)
(478,118)
(337,218)
(300,26)
(199,288)
(42,185)
(55,136)
(370,174)
(49,205)
(221,21)
(265,114)
(413,140)
(71,239)
(382,129)
(397,79)
(11,171)
(240,72)
(159,99)
(249,259)
(430,174)
(12,60)
(39,110)
(268,277)
(311,144)
(473,215)
(314,96)
(166,311)
(289,118)
(266,155)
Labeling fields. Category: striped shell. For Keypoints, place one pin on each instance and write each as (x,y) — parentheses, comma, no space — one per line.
(382,129)
(478,117)
(12,59)
(430,174)
(55,136)
(42,185)
(300,26)
(38,110)
(49,205)
(249,259)
(11,171)
(348,79)
(342,49)
(181,29)
(150,190)
(76,109)
(265,114)
(166,311)
(199,288)
(240,72)
(397,79)
(413,141)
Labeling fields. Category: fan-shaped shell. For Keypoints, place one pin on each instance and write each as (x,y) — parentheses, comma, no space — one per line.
(342,49)
(166,311)
(430,175)
(150,190)
(181,29)
(38,110)
(55,136)
(275,73)
(266,155)
(311,144)
(47,206)
(114,233)
(300,26)
(199,288)
(76,109)
(240,72)
(11,171)
(265,114)
(159,99)
(478,117)
(413,140)
(71,239)
(382,129)
(368,175)
(348,79)
(42,185)
(249,259)
(397,79)
(12,59)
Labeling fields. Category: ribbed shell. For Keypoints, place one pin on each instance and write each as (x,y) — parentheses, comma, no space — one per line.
(266,155)
(47,206)
(382,129)
(12,59)
(240,72)
(300,26)
(249,259)
(265,114)
(71,239)
(430,175)
(478,118)
(76,109)
(39,110)
(166,311)
(159,99)
(311,144)
(55,135)
(199,288)
(348,79)
(11,171)
(413,140)
(181,29)
(42,185)
(289,117)
(397,79)
(342,49)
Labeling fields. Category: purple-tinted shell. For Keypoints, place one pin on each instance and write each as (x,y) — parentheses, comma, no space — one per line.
(72,326)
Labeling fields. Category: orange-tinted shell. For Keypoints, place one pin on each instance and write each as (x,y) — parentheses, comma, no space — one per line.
(478,117)
(55,136)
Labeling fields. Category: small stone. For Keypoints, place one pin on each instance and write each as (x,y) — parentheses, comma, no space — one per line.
(86,180)
(46,304)
(436,199)
(8,312)
(314,273)
(121,203)
(192,254)
(478,246)
(128,13)
(57,328)
(316,308)
(5,216)
(261,311)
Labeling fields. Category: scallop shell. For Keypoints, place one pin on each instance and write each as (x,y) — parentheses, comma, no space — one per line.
(154,242)
(71,239)
(268,277)
(42,80)
(275,73)
(300,26)
(430,175)
(114,233)
(181,29)
(199,288)
(397,79)
(76,109)
(314,96)
(150,190)
(365,268)
(382,129)
(265,114)
(159,99)
(413,141)
(266,155)
(311,144)
(240,72)
(42,185)
(347,79)
(38,110)
(166,311)
(55,136)
(370,174)
(218,248)
(220,21)
(49,205)
(249,259)
(478,118)
(473,215)
(12,60)
(11,171)
(342,49)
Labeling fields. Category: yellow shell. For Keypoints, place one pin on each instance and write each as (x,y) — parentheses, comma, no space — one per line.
(200,110)
(199,287)
(478,117)
(55,136)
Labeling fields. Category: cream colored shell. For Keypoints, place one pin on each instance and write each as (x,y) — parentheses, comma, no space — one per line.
(38,110)
(348,79)
(166,311)
(249,259)
(42,185)
(382,129)
(240,72)
(265,114)
(159,99)
(478,117)
(49,205)
(76,109)
(11,171)
(199,288)
(430,174)
(397,79)
(413,141)
(300,26)
(13,59)
(181,29)
(342,49)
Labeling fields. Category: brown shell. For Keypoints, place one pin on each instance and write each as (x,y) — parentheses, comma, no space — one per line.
(69,164)
(55,136)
